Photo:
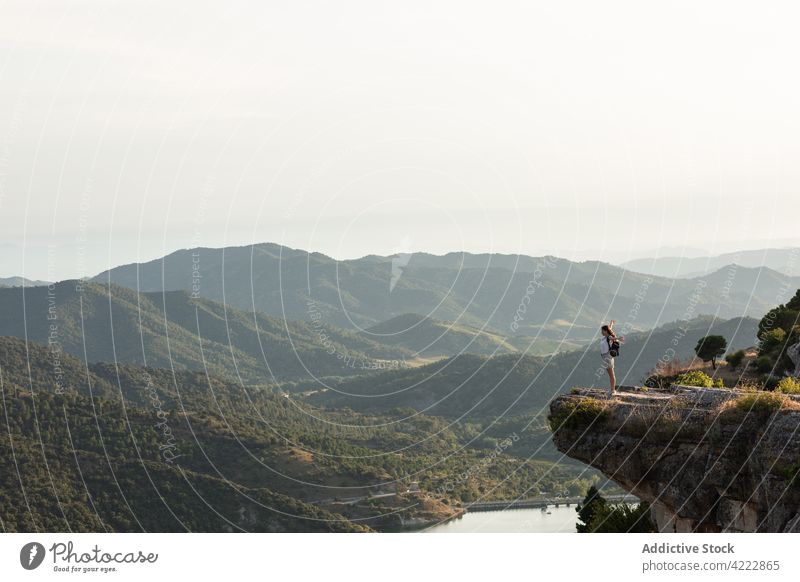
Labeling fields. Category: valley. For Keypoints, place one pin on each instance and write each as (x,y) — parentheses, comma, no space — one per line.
(276,403)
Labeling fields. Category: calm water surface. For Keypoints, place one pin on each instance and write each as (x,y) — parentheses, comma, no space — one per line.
(560,519)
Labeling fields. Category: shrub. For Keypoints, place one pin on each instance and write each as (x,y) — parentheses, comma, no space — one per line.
(577,414)
(622,518)
(764,364)
(760,401)
(778,330)
(772,339)
(735,359)
(788,385)
(696,378)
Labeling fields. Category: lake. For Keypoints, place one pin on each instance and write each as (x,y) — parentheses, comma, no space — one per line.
(559,520)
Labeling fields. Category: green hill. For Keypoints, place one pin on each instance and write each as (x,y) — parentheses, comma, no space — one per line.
(429,337)
(482,387)
(112,323)
(426,336)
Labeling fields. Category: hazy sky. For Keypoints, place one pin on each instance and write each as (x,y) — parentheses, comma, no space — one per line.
(585,129)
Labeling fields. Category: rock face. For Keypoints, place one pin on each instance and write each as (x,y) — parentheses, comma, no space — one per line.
(707,460)
(793,352)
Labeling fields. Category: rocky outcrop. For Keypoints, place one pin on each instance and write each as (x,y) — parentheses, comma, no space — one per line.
(707,460)
(793,352)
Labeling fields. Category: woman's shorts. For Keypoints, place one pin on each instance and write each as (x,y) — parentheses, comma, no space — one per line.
(608,362)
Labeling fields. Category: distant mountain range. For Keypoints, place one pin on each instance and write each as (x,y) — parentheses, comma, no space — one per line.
(505,294)
(342,324)
(19,282)
(785,261)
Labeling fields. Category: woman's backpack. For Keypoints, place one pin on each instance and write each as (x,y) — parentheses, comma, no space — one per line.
(613,347)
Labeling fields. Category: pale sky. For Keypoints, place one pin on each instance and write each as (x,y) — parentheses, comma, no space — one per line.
(600,130)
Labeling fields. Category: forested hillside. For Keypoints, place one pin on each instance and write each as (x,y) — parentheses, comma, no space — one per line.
(112,323)
(126,448)
(426,336)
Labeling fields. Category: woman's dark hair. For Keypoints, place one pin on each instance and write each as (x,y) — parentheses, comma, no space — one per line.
(608,330)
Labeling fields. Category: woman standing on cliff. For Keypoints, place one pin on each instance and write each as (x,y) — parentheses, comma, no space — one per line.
(609,346)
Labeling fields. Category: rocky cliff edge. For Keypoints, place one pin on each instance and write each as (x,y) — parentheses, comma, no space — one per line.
(707,460)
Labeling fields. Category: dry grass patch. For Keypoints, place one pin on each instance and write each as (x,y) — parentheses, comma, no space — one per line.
(748,385)
(759,403)
(666,419)
(788,385)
